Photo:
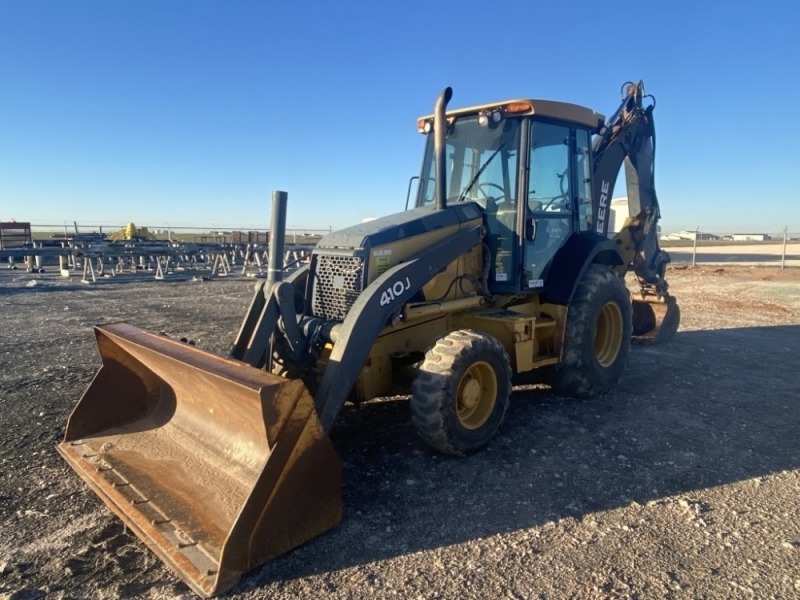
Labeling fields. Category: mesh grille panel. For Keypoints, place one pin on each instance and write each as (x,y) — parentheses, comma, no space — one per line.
(337,285)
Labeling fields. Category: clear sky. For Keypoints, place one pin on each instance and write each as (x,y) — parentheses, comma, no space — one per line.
(191,112)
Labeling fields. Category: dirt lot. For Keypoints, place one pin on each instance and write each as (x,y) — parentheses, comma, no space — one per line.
(682,483)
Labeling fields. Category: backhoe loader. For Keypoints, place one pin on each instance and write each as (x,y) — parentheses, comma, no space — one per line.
(503,267)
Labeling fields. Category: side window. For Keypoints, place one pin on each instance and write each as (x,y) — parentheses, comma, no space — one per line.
(584,180)
(549,182)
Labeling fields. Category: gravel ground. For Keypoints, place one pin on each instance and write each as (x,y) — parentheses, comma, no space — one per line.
(682,483)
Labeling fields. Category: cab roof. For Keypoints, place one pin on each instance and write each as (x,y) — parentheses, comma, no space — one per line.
(562,111)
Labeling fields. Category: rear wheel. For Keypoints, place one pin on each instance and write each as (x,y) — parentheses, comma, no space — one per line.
(461,392)
(597,337)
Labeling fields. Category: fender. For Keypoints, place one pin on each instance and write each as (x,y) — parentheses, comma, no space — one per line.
(571,261)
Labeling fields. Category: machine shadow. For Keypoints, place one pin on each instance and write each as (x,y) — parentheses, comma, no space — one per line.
(707,409)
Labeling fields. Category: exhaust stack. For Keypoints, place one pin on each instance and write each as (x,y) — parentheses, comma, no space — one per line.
(277,235)
(439,137)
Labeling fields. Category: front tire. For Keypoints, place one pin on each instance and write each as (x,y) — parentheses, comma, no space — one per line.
(461,392)
(597,336)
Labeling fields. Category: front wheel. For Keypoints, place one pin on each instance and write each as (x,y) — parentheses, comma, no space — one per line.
(597,336)
(461,392)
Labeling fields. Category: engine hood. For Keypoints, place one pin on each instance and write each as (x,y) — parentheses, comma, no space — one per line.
(391,228)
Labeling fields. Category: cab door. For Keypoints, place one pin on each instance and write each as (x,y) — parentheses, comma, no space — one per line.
(551,199)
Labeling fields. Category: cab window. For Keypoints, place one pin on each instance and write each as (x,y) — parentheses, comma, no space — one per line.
(549,181)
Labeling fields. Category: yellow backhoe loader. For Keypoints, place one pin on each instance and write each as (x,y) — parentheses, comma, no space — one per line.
(503,267)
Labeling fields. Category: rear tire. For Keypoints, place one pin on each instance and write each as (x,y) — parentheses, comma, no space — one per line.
(461,392)
(597,336)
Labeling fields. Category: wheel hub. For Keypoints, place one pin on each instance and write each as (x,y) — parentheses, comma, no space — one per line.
(471,393)
(608,334)
(477,395)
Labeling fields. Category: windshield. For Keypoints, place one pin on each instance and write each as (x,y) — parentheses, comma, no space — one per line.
(481,163)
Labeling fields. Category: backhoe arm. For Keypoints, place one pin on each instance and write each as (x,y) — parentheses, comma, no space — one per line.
(628,138)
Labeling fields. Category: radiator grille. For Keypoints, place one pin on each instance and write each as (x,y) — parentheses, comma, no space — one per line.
(337,285)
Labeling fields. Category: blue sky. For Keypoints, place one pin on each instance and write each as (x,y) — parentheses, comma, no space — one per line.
(191,112)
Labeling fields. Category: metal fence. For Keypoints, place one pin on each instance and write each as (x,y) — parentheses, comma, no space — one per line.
(217,234)
(734,246)
(740,245)
(98,251)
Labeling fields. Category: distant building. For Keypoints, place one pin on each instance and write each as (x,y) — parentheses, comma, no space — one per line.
(618,214)
(750,237)
(689,235)
(15,235)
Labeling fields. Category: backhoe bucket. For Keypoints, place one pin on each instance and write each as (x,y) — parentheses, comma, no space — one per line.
(217,466)
(655,320)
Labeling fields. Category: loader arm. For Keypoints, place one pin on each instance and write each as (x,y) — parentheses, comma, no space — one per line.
(371,312)
(272,305)
(628,138)
(272,321)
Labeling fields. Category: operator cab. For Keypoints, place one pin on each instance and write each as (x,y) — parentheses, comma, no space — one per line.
(527,163)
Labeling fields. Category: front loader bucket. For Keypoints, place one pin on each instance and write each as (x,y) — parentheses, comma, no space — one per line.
(655,320)
(217,466)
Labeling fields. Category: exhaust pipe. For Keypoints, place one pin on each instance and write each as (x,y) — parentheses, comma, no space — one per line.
(439,137)
(253,318)
(277,235)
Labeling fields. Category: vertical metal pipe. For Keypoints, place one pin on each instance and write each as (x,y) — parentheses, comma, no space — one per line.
(439,138)
(277,234)
(783,256)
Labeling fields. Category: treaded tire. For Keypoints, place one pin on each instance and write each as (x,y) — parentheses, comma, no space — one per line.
(461,392)
(597,336)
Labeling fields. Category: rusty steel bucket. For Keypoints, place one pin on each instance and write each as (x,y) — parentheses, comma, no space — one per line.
(217,466)
(655,320)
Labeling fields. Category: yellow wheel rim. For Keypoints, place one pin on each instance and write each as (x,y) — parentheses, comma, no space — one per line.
(608,334)
(477,395)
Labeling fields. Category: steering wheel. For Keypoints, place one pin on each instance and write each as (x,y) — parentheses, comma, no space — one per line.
(490,184)
(559,203)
